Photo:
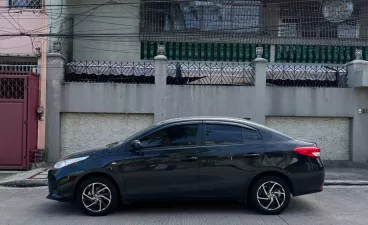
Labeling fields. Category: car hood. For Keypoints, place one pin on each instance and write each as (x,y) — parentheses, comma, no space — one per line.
(87,152)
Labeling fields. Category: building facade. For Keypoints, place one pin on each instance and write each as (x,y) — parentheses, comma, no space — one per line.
(22,82)
(307,80)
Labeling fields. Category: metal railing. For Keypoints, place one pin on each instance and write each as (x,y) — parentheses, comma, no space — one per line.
(21,66)
(110,72)
(306,75)
(210,73)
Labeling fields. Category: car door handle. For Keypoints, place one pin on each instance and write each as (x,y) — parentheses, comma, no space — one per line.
(190,159)
(251,155)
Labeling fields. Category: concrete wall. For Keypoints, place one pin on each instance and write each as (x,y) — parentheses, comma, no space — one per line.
(78,130)
(113,19)
(111,98)
(168,101)
(184,101)
(328,102)
(331,134)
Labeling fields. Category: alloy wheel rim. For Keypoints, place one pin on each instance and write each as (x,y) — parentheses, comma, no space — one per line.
(271,195)
(96,197)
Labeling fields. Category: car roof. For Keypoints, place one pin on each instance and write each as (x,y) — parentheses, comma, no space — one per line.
(214,118)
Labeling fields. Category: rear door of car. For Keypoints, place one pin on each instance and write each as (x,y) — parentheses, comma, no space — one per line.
(230,154)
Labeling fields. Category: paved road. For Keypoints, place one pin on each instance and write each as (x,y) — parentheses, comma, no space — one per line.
(336,205)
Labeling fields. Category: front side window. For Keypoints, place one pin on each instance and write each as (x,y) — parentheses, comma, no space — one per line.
(223,134)
(181,135)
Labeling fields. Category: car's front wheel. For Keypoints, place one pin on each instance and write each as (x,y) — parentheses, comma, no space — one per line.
(270,195)
(97,196)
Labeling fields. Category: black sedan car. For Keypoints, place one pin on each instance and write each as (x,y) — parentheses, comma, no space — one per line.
(191,158)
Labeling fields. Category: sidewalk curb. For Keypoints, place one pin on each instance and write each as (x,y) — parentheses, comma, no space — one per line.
(346,182)
(25,183)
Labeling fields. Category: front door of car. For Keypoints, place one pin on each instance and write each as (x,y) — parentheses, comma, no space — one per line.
(167,165)
(230,155)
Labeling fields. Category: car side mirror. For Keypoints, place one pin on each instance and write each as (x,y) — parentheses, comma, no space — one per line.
(136,145)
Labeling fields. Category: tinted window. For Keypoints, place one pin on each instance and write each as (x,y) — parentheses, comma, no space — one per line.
(250,135)
(223,134)
(183,135)
(269,136)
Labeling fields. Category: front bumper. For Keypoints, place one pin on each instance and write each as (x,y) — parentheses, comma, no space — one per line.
(59,190)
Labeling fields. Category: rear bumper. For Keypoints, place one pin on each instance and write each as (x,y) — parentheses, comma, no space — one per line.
(307,183)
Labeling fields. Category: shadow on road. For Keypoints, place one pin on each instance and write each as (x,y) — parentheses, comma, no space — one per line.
(192,207)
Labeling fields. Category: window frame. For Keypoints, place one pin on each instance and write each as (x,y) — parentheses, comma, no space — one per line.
(197,143)
(241,126)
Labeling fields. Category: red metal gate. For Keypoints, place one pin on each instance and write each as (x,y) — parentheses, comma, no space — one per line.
(18,118)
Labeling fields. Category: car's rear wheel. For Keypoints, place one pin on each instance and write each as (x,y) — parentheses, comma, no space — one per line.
(270,195)
(97,196)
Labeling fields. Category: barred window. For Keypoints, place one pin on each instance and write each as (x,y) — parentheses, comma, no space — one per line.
(231,15)
(33,4)
(306,20)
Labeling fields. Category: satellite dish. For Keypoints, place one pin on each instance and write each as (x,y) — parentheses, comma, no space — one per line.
(337,11)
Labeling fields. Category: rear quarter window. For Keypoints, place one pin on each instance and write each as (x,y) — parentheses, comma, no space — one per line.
(268,136)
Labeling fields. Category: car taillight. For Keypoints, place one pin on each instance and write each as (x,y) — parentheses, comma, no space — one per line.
(312,151)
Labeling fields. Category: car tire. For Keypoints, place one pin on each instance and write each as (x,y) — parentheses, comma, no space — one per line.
(270,195)
(97,196)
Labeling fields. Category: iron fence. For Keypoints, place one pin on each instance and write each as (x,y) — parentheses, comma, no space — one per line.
(210,73)
(110,72)
(307,75)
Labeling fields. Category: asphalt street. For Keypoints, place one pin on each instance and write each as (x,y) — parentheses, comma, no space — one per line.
(335,205)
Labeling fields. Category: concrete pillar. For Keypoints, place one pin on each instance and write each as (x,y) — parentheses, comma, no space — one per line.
(359,127)
(272,53)
(359,123)
(160,87)
(260,67)
(55,75)
(353,67)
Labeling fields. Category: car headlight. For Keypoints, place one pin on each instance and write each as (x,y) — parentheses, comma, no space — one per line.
(66,162)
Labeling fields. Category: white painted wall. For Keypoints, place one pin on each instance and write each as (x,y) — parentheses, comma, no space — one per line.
(80,131)
(121,19)
(330,134)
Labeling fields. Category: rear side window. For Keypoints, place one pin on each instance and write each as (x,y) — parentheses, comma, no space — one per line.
(250,135)
(268,136)
(223,134)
